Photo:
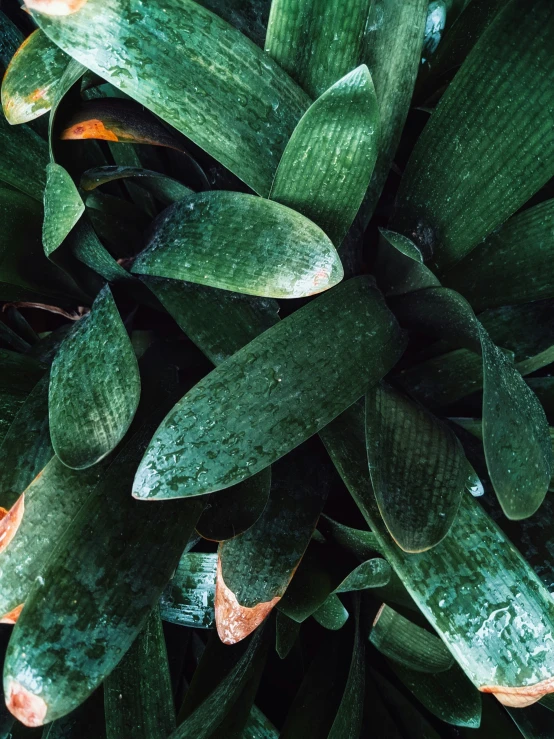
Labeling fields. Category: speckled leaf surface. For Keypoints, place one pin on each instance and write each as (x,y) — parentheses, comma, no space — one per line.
(492,274)
(50,503)
(259,726)
(325,168)
(122,554)
(91,409)
(26,448)
(29,83)
(166,189)
(62,207)
(196,58)
(11,39)
(241,243)
(87,247)
(500,630)
(448,695)
(218,321)
(503,92)
(24,158)
(138,700)
(373,573)
(188,599)
(317,43)
(289,383)
(331,614)
(229,513)
(392,51)
(418,468)
(408,644)
(257,566)
(249,16)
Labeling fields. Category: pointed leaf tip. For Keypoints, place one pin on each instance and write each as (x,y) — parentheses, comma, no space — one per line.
(28,708)
(55,7)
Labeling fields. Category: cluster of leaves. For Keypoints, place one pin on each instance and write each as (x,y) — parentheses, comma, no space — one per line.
(345,526)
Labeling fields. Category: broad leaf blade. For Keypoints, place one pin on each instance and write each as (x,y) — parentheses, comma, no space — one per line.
(325,168)
(24,158)
(258,104)
(90,413)
(62,207)
(291,382)
(418,469)
(188,599)
(241,243)
(29,83)
(503,92)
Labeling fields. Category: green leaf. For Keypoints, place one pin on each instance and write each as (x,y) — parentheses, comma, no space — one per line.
(24,158)
(286,634)
(11,39)
(331,614)
(399,267)
(448,695)
(208,716)
(325,168)
(348,721)
(241,243)
(73,73)
(497,628)
(232,512)
(29,83)
(418,469)
(87,247)
(219,322)
(362,544)
(373,573)
(406,716)
(188,599)
(94,386)
(393,39)
(259,726)
(402,641)
(312,584)
(534,722)
(290,382)
(137,694)
(49,504)
(316,43)
(258,104)
(63,207)
(256,567)
(85,722)
(249,16)
(453,156)
(164,188)
(122,554)
(26,448)
(491,275)
(402,244)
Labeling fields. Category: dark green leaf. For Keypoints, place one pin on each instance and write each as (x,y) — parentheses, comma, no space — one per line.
(457,188)
(534,722)
(316,43)
(137,694)
(91,409)
(374,573)
(325,169)
(62,207)
(11,39)
(166,189)
(258,104)
(241,243)
(259,727)
(88,248)
(30,80)
(301,374)
(286,634)
(418,469)
(331,614)
(188,599)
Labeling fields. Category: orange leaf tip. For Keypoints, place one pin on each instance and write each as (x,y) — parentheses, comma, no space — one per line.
(12,616)
(233,621)
(28,708)
(92,129)
(10,520)
(523,696)
(55,7)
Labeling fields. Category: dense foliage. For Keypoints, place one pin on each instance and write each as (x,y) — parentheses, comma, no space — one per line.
(277,336)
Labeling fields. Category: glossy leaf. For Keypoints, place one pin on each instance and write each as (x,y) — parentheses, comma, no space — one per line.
(491,275)
(230,513)
(498,631)
(258,726)
(217,321)
(393,39)
(11,39)
(331,614)
(256,567)
(26,448)
(418,469)
(72,74)
(249,16)
(325,168)
(373,573)
(241,243)
(448,695)
(87,420)
(188,599)
(62,207)
(87,247)
(316,43)
(362,544)
(30,80)
(24,158)
(295,384)
(258,103)
(137,694)
(166,189)
(136,548)
(402,641)
(312,584)
(55,495)
(512,54)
